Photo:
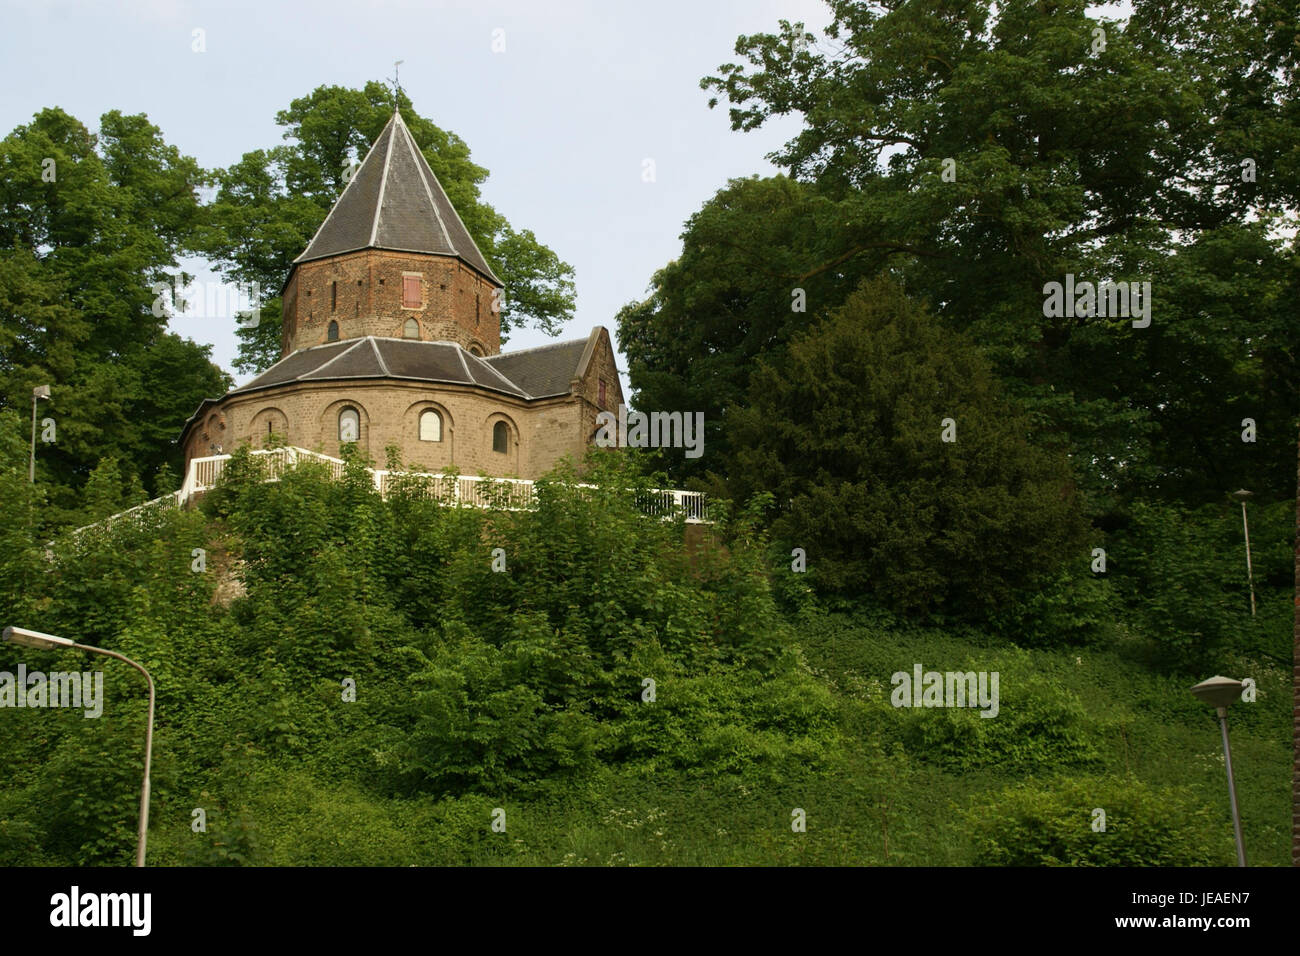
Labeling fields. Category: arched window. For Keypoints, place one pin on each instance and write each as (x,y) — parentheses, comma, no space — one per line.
(349,425)
(501,437)
(411,330)
(475,350)
(430,426)
(332,334)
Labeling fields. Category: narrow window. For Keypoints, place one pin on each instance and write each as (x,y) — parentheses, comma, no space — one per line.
(332,334)
(411,330)
(430,426)
(349,425)
(410,292)
(476,309)
(500,437)
(601,400)
(334,296)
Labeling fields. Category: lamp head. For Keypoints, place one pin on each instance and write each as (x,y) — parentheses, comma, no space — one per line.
(41,391)
(25,638)
(1218,691)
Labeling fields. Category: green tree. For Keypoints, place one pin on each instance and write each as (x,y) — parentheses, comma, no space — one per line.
(850,434)
(739,290)
(986,149)
(88,223)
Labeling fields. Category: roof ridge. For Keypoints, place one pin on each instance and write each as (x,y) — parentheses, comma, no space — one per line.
(461,353)
(535,348)
(423,164)
(383,184)
(378,354)
(316,235)
(487,365)
(298,378)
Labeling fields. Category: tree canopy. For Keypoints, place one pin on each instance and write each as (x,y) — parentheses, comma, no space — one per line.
(982,152)
(88,223)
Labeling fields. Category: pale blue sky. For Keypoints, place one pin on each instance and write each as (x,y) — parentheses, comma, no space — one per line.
(563,118)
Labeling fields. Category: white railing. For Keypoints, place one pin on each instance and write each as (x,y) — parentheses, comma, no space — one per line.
(473,491)
(138,513)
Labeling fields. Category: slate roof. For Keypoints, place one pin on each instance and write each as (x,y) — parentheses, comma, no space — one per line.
(532,373)
(395,202)
(543,371)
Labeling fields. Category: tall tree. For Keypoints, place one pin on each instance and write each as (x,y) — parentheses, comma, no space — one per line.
(989,149)
(899,466)
(88,223)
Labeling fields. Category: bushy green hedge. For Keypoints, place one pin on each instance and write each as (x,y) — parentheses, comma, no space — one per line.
(1051,823)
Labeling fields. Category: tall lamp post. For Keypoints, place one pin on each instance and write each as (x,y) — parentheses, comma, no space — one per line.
(1219,692)
(1241,495)
(47,642)
(39,392)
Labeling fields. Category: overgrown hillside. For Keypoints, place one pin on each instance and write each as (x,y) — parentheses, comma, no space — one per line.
(377,693)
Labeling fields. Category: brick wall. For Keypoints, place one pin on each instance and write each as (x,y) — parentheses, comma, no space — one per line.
(601,367)
(362,292)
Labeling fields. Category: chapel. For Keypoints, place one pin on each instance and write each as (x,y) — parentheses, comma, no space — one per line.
(392,336)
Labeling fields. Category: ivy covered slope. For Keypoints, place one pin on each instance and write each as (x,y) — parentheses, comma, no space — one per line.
(621,692)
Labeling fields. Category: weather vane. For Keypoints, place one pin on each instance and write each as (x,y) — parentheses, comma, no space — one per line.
(397,86)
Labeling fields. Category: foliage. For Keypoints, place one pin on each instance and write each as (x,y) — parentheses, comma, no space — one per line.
(848,433)
(1051,824)
(88,223)
(981,150)
(1183,574)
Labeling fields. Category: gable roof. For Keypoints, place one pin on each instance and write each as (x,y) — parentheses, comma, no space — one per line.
(395,202)
(546,370)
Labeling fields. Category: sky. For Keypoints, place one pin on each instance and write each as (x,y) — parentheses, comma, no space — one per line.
(563,117)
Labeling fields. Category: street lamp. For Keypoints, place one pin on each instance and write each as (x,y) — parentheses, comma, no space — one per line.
(1219,692)
(48,642)
(1241,495)
(39,392)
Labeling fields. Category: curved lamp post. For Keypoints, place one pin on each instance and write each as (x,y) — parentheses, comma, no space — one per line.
(35,639)
(1219,692)
(1241,495)
(39,392)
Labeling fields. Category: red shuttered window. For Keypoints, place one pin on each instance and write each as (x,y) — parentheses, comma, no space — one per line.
(410,292)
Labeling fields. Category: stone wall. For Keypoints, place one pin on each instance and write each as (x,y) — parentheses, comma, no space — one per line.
(307,415)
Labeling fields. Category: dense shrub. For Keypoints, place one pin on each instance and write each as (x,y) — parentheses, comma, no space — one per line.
(1183,575)
(1039,727)
(1051,824)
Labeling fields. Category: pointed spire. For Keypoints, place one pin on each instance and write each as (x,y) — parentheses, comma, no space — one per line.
(395,202)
